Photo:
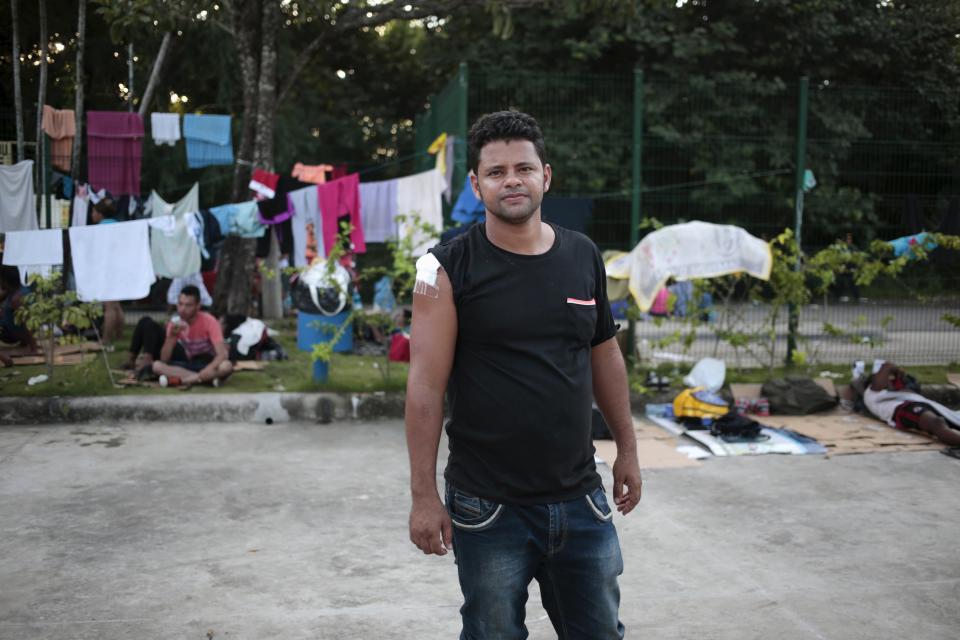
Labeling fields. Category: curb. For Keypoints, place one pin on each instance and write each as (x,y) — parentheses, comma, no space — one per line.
(255,407)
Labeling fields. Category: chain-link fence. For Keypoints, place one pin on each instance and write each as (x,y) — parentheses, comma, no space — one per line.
(884,162)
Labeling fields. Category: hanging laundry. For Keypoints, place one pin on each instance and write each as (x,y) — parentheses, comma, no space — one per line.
(81,206)
(468,209)
(908,245)
(338,199)
(114,148)
(276,213)
(177,285)
(240,219)
(420,197)
(338,171)
(157,206)
(165,128)
(305,205)
(314,174)
(208,140)
(264,183)
(175,253)
(100,252)
(378,210)
(61,126)
(18,206)
(33,251)
(569,213)
(212,239)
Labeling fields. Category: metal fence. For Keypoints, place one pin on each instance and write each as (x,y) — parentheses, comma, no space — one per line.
(734,151)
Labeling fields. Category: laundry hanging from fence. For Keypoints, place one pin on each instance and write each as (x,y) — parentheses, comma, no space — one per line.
(114,148)
(689,250)
(378,210)
(18,206)
(33,252)
(339,199)
(175,252)
(305,205)
(190,202)
(100,252)
(61,126)
(165,128)
(419,198)
(209,140)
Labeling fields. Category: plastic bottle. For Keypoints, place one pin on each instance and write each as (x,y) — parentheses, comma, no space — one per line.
(357,301)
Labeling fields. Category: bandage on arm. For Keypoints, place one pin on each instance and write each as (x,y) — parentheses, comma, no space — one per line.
(427,269)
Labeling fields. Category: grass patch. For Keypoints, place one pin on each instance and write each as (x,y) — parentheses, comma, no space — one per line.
(348,373)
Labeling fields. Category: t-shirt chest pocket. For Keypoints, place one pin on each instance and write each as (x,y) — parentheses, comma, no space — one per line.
(581,313)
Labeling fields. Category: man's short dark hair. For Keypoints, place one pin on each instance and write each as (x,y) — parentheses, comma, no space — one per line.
(191,290)
(503,125)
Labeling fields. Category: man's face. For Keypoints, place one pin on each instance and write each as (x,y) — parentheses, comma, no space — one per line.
(511,180)
(187,307)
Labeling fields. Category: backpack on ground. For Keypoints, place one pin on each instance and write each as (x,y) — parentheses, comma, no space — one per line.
(796,396)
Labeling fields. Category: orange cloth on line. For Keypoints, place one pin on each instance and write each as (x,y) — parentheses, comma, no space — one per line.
(61,126)
(312,173)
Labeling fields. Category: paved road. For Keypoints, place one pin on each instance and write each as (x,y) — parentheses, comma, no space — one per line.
(244,531)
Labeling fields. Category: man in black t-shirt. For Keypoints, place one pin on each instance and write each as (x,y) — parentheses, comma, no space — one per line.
(511,320)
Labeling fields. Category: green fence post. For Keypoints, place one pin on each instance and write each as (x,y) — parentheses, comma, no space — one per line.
(637,158)
(460,148)
(803,97)
(635,192)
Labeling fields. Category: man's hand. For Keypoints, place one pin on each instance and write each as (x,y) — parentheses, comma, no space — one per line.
(430,527)
(626,471)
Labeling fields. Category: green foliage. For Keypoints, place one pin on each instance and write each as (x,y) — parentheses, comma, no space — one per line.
(48,306)
(323,351)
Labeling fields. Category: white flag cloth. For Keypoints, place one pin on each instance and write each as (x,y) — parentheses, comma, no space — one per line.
(688,251)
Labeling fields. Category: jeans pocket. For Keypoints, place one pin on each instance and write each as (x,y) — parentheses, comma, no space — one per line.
(597,500)
(470,512)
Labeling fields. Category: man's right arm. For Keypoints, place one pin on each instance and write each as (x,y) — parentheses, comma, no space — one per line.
(433,338)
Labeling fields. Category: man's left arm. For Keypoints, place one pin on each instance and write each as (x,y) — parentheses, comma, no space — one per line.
(612,394)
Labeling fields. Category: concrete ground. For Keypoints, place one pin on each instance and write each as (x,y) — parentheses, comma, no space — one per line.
(236,531)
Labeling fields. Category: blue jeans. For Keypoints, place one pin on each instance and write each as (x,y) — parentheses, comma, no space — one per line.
(570,548)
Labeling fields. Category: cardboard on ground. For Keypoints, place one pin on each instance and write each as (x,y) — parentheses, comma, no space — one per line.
(842,431)
(656,449)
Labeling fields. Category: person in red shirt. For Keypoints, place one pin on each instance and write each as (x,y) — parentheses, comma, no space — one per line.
(193,351)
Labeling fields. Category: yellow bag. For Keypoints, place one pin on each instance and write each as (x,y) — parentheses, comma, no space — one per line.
(699,403)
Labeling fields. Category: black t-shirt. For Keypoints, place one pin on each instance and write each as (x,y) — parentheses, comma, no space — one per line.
(521,388)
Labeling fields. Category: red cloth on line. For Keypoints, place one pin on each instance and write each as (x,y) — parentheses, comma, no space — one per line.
(341,198)
(338,171)
(114,148)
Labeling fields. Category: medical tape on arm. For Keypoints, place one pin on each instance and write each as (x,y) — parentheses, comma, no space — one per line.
(428,268)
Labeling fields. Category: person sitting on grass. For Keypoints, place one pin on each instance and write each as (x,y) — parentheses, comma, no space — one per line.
(12,294)
(888,398)
(193,350)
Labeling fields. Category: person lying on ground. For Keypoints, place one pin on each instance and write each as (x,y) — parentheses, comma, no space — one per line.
(888,398)
(193,349)
(12,294)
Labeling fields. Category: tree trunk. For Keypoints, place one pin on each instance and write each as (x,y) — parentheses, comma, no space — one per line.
(155,74)
(78,88)
(263,147)
(17,97)
(233,291)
